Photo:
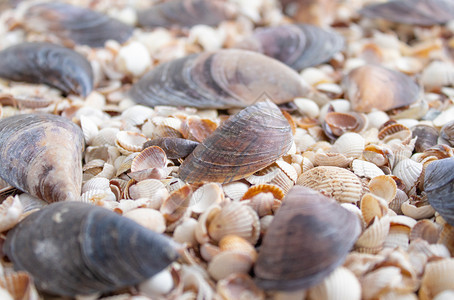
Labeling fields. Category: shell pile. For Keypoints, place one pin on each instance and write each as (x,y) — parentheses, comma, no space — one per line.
(227,149)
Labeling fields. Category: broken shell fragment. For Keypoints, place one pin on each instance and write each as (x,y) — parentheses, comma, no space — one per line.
(89,249)
(368,87)
(42,155)
(47,63)
(236,148)
(223,79)
(308,238)
(76,25)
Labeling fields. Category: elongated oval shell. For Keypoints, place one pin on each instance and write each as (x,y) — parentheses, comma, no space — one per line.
(47,63)
(41,154)
(297,45)
(368,87)
(76,25)
(439,186)
(222,79)
(247,142)
(74,248)
(308,238)
(172,146)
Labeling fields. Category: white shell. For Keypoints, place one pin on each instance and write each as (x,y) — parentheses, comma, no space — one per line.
(350,144)
(185,232)
(205,196)
(148,218)
(409,171)
(229,262)
(373,237)
(11,210)
(159,284)
(339,285)
(367,169)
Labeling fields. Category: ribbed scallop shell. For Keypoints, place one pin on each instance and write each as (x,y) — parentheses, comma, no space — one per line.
(350,144)
(383,186)
(373,237)
(308,238)
(408,171)
(339,285)
(247,142)
(367,169)
(437,278)
(426,230)
(341,184)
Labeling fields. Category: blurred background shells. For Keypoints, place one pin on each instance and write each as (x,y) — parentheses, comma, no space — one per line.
(305,241)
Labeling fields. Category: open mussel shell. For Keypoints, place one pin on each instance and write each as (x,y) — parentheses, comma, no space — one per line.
(439,186)
(308,238)
(54,65)
(222,79)
(247,142)
(371,86)
(75,248)
(187,13)
(76,25)
(297,45)
(41,154)
(415,12)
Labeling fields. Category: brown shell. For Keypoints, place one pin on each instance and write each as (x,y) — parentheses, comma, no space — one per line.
(247,142)
(308,238)
(41,154)
(76,25)
(297,45)
(223,79)
(173,147)
(415,12)
(370,86)
(187,13)
(427,137)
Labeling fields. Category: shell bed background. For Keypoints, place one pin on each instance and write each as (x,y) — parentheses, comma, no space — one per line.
(357,130)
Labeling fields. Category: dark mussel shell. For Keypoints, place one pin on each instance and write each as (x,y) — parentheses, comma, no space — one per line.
(173,147)
(414,12)
(247,142)
(76,25)
(439,186)
(222,79)
(447,134)
(427,136)
(297,45)
(41,154)
(47,63)
(187,13)
(74,248)
(308,238)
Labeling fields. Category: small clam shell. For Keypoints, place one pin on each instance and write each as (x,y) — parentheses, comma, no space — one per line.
(337,123)
(229,262)
(409,171)
(236,243)
(370,86)
(198,129)
(372,206)
(398,236)
(332,159)
(384,187)
(175,206)
(128,142)
(235,190)
(395,131)
(437,278)
(98,183)
(373,237)
(305,241)
(185,232)
(148,218)
(151,157)
(427,137)
(341,184)
(417,212)
(205,196)
(426,230)
(340,284)
(350,144)
(11,210)
(47,63)
(173,147)
(239,286)
(366,169)
(277,192)
(378,155)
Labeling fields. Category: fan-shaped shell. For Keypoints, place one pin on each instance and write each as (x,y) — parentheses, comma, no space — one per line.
(41,154)
(416,12)
(247,142)
(308,238)
(222,79)
(439,186)
(74,248)
(368,87)
(297,45)
(75,25)
(47,63)
(187,13)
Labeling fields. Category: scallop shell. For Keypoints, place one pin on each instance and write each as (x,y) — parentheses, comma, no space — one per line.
(373,237)
(239,286)
(238,244)
(305,241)
(370,86)
(223,79)
(46,152)
(340,284)
(11,211)
(205,196)
(350,144)
(437,278)
(332,159)
(221,157)
(409,171)
(341,184)
(426,230)
(366,169)
(372,206)
(417,212)
(128,142)
(395,131)
(227,263)
(384,187)
(47,63)
(235,190)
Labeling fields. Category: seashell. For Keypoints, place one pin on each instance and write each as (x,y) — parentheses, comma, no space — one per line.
(332,159)
(384,187)
(372,86)
(417,212)
(366,169)
(378,155)
(237,219)
(221,157)
(380,280)
(41,62)
(209,80)
(208,251)
(175,206)
(440,151)
(30,203)
(205,196)
(185,232)
(137,115)
(350,144)
(98,197)
(128,142)
(437,278)
(98,183)
(341,184)
(198,129)
(238,244)
(148,218)
(75,25)
(398,236)
(395,131)
(446,238)
(158,285)
(371,207)
(235,190)
(239,286)
(151,189)
(427,137)
(340,284)
(149,163)
(174,148)
(127,253)
(297,45)
(409,171)
(447,134)
(337,123)
(229,262)
(439,186)
(19,285)
(42,155)
(373,237)
(11,211)
(277,192)
(426,230)
(305,241)
(414,12)
(189,12)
